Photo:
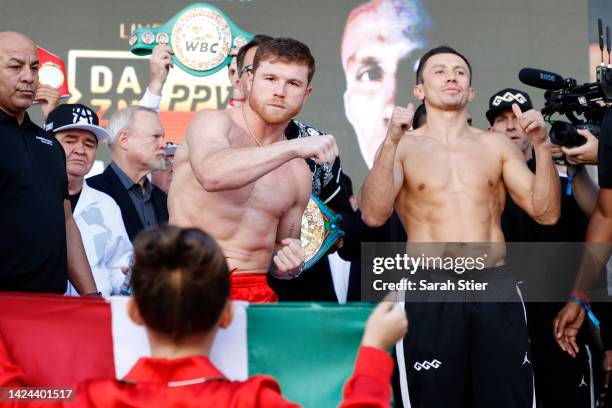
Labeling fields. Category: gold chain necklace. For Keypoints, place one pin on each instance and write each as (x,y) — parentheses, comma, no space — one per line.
(248,128)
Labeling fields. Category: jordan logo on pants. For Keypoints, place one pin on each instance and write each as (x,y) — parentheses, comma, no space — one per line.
(526,360)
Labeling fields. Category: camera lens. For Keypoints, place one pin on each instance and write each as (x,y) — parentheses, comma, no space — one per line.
(559,133)
(564,134)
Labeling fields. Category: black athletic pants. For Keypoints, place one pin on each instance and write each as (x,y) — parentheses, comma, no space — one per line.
(466,354)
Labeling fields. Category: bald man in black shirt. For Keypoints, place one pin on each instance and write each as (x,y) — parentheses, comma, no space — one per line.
(40,245)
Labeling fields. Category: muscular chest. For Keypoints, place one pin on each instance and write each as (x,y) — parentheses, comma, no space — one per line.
(442,168)
(277,191)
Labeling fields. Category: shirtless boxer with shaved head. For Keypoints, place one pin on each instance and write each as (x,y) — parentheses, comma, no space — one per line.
(448,182)
(237,178)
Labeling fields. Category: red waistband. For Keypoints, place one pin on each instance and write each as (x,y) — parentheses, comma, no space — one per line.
(248,279)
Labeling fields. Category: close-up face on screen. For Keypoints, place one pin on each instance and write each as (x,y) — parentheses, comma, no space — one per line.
(377,35)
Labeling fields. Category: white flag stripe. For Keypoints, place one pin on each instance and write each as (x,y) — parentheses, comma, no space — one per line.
(229,351)
(130,341)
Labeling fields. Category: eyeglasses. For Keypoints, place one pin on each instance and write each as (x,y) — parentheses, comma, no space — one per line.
(246,68)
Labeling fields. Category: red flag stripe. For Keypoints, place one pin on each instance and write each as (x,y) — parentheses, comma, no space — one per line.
(56,340)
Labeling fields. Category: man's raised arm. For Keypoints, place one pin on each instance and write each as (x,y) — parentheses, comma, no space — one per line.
(539,195)
(383,182)
(160,64)
(218,166)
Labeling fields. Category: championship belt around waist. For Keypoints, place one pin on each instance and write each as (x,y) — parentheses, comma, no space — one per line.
(320,230)
(200,35)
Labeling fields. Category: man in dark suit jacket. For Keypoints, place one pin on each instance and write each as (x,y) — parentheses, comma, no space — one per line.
(137,145)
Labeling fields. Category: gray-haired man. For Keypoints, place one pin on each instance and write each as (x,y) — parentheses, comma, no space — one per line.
(137,145)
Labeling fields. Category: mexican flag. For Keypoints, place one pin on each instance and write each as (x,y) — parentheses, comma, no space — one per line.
(309,348)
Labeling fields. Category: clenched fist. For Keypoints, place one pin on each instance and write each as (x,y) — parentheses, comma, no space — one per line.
(288,260)
(160,64)
(321,148)
(401,121)
(532,123)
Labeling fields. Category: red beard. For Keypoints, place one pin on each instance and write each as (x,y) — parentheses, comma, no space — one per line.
(272,115)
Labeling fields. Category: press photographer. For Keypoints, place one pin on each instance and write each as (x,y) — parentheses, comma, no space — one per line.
(593,101)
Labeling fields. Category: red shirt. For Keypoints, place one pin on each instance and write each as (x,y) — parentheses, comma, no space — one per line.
(196,382)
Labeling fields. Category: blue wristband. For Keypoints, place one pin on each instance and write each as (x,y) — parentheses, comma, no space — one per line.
(588,310)
(570,179)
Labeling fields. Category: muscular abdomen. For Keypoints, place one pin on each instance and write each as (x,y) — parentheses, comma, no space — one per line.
(452,217)
(243,221)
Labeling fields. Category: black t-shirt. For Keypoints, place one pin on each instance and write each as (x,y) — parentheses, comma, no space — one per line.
(74,199)
(33,186)
(518,226)
(604,159)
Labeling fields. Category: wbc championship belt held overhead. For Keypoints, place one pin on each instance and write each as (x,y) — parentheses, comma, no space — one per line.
(201,37)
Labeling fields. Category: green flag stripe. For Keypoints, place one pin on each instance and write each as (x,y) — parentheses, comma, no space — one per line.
(309,348)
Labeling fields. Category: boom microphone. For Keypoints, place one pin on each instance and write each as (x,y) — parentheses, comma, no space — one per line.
(541,79)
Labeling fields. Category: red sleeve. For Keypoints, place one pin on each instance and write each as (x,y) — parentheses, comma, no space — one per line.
(264,392)
(370,385)
(271,398)
(10,374)
(12,377)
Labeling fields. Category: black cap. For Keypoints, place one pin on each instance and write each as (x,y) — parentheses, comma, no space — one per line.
(75,116)
(504,99)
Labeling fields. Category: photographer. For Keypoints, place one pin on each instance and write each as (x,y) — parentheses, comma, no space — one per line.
(570,319)
(559,380)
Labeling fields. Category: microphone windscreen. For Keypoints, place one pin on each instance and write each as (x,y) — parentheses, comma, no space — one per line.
(541,79)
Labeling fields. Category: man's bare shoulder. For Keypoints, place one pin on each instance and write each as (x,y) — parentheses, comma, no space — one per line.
(212,116)
(209,123)
(498,142)
(501,141)
(420,132)
(473,131)
(487,137)
(411,137)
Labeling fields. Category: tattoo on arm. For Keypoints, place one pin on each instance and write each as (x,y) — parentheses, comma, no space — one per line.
(291,228)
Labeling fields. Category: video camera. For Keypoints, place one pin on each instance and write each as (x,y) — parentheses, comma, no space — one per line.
(566,97)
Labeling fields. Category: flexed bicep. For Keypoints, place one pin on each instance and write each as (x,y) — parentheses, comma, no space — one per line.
(518,180)
(538,195)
